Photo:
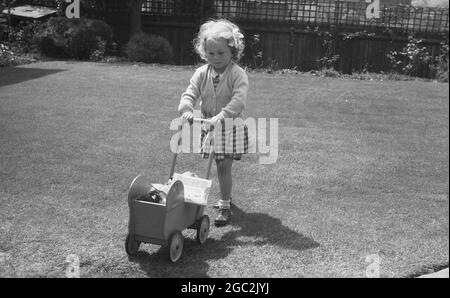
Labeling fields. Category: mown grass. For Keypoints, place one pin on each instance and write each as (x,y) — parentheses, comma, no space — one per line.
(362,170)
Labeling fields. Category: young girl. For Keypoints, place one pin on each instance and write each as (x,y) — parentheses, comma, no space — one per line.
(221,88)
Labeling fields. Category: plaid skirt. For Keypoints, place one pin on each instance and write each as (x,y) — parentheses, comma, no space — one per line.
(231,143)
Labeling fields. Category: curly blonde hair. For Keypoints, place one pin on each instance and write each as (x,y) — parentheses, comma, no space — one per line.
(217,29)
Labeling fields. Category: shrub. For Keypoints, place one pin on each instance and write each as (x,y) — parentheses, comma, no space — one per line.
(101,30)
(442,72)
(100,52)
(51,45)
(412,60)
(329,58)
(415,60)
(81,43)
(7,57)
(149,49)
(253,54)
(74,38)
(441,62)
(51,40)
(20,38)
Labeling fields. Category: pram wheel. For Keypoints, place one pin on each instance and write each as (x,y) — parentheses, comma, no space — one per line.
(175,246)
(131,245)
(203,229)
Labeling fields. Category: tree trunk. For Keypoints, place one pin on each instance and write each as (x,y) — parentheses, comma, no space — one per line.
(135,7)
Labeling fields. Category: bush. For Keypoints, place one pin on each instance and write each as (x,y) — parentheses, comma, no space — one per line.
(80,38)
(442,73)
(253,53)
(415,60)
(101,30)
(412,60)
(81,43)
(7,57)
(441,62)
(20,38)
(100,52)
(149,49)
(329,57)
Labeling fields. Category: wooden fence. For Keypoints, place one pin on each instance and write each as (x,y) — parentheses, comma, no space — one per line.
(309,12)
(303,49)
(327,12)
(287,40)
(292,33)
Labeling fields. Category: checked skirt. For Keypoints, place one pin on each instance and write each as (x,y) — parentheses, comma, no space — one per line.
(226,142)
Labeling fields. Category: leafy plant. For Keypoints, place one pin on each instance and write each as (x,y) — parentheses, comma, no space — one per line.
(440,67)
(358,34)
(100,52)
(253,52)
(74,38)
(7,57)
(329,58)
(20,38)
(149,49)
(412,59)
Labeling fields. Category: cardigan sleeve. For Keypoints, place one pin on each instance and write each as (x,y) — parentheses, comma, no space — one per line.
(192,93)
(239,81)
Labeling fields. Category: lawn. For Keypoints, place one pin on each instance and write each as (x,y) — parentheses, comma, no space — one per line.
(362,175)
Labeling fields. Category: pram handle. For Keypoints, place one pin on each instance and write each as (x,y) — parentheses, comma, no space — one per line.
(175,155)
(200,120)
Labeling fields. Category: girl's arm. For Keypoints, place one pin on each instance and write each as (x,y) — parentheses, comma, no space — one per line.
(192,93)
(238,97)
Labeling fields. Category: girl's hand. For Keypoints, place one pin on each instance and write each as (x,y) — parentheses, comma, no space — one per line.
(188,116)
(216,119)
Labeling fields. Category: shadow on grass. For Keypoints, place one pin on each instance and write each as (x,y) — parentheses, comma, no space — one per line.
(265,230)
(247,229)
(192,264)
(15,75)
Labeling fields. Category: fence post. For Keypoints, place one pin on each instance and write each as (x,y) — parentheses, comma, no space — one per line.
(9,17)
(291,52)
(337,9)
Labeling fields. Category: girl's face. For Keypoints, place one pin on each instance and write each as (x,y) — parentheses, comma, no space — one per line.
(218,54)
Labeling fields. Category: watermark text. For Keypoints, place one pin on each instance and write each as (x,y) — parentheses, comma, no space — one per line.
(373,9)
(233,131)
(73,9)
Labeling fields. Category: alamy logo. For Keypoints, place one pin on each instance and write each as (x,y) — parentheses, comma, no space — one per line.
(373,269)
(373,9)
(73,9)
(73,268)
(257,137)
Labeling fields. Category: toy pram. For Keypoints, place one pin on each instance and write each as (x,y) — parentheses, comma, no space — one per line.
(159,213)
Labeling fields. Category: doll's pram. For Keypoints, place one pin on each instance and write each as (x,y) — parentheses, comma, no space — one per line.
(160,212)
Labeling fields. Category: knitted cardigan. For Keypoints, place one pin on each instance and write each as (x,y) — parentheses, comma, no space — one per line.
(228,99)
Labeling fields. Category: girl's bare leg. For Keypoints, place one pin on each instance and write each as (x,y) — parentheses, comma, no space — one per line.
(225,179)
(226,185)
